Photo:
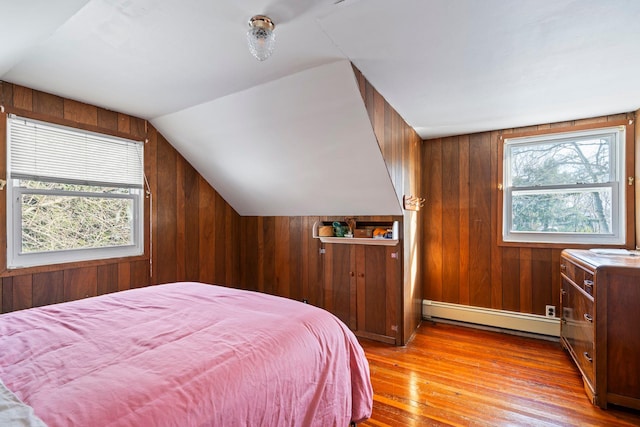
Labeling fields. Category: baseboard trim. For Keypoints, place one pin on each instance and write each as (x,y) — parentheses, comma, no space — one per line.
(507,320)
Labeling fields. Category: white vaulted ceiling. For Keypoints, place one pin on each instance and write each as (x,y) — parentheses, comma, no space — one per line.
(290,135)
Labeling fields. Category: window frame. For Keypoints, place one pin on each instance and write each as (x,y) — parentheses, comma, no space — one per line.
(17,260)
(622,191)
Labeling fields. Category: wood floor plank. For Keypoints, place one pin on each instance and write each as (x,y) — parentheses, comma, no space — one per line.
(450,375)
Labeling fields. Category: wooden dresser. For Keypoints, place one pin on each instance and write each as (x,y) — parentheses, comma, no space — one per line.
(600,301)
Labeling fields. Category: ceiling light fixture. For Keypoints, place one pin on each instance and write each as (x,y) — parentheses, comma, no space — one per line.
(261,37)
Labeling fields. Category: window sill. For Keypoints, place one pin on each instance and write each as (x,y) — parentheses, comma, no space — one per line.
(71,265)
(560,245)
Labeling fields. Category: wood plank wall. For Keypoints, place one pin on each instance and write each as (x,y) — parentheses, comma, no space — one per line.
(193,229)
(401,149)
(463,263)
(280,257)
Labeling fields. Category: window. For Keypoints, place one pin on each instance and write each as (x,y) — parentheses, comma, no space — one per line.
(565,188)
(72,195)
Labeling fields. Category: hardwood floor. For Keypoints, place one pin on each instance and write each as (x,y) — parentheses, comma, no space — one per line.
(450,375)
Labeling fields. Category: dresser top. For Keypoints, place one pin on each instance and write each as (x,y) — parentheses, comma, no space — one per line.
(605,257)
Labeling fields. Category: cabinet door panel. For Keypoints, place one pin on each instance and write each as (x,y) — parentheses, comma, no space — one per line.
(362,288)
(339,282)
(372,316)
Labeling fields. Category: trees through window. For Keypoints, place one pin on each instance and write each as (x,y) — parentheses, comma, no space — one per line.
(565,188)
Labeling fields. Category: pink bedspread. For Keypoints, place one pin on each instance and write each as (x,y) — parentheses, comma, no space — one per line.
(185,354)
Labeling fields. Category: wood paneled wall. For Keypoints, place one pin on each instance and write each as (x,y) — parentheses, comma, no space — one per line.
(401,149)
(279,255)
(463,263)
(193,230)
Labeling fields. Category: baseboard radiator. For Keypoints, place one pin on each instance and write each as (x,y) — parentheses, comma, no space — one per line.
(507,320)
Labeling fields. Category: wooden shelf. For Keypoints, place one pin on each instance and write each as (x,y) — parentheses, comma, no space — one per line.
(359,240)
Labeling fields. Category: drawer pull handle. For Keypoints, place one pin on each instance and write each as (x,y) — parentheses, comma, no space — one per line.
(588,318)
(563,267)
(588,286)
(588,357)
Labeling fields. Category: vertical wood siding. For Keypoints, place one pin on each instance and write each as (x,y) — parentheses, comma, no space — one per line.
(463,262)
(194,229)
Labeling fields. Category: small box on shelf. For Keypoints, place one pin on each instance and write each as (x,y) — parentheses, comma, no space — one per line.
(363,232)
(325,231)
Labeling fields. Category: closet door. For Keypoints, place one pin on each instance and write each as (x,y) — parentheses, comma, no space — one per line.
(378,274)
(340,282)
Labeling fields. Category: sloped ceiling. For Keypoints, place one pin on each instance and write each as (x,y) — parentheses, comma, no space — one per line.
(290,136)
(313,151)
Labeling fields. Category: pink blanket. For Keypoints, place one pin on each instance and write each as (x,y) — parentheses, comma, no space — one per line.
(185,354)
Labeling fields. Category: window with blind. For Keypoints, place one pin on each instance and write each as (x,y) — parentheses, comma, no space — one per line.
(73,195)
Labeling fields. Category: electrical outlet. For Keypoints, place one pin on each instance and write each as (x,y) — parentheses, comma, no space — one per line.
(551,311)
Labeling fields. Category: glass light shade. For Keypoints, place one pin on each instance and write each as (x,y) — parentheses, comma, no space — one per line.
(260,37)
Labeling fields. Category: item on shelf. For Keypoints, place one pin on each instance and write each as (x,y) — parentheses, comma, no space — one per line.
(379,233)
(351,223)
(363,232)
(325,231)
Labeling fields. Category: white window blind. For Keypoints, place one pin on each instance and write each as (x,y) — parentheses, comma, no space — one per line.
(47,152)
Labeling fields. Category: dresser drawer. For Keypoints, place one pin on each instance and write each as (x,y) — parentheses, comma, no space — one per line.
(578,275)
(577,328)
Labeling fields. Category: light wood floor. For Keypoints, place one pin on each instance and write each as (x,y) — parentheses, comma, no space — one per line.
(456,376)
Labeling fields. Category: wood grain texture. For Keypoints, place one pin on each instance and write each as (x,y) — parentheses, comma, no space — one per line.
(455,376)
(480,220)
(463,218)
(47,104)
(220,242)
(433,235)
(107,279)
(401,148)
(22,292)
(80,112)
(450,218)
(191,191)
(81,282)
(166,220)
(282,257)
(183,210)
(48,288)
(7,294)
(372,272)
(521,278)
(22,98)
(340,271)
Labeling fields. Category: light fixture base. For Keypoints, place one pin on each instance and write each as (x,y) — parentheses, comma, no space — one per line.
(262,21)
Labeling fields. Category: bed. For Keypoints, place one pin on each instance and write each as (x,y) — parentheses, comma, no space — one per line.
(184,354)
